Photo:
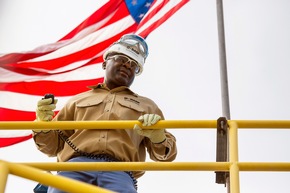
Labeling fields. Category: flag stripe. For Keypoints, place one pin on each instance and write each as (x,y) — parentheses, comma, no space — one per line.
(64,88)
(13,140)
(16,57)
(32,72)
(16,115)
(25,102)
(15,133)
(84,73)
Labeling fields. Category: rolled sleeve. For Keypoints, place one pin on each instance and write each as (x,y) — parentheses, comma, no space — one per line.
(165,151)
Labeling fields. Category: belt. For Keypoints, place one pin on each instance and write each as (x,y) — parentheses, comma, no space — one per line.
(109,158)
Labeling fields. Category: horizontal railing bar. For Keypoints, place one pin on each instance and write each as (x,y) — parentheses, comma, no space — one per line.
(133,166)
(262,123)
(173,124)
(24,125)
(264,166)
(160,166)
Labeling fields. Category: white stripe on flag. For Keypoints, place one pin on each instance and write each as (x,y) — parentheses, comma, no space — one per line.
(25,102)
(14,133)
(84,73)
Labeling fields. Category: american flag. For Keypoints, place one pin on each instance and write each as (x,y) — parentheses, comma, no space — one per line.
(69,65)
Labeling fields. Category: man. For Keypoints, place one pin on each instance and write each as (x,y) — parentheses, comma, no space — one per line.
(111,100)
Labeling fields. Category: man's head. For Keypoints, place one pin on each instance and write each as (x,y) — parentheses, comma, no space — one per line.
(124,59)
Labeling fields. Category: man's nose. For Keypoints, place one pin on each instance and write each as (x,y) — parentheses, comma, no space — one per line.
(127,64)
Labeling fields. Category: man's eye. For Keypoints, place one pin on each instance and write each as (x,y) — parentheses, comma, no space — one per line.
(117,60)
(120,60)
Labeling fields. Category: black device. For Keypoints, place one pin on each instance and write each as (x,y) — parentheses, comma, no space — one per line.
(49,95)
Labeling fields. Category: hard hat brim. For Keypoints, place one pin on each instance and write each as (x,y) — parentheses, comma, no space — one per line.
(128,51)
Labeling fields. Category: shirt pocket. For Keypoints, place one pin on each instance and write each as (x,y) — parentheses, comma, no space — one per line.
(130,110)
(89,110)
(85,104)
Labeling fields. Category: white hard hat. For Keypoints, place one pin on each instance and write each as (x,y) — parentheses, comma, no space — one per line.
(133,46)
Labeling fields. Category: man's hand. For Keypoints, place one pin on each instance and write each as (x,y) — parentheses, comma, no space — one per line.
(155,135)
(44,110)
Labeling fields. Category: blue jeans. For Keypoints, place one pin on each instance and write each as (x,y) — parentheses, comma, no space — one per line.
(117,181)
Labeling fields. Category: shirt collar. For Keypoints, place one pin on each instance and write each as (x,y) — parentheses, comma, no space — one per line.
(118,89)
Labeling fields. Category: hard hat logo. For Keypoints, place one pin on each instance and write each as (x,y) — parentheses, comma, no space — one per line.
(133,49)
(133,46)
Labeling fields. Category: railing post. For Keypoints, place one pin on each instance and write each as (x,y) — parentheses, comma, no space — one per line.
(222,148)
(4,171)
(234,157)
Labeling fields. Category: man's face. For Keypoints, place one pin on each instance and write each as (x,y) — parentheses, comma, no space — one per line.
(119,71)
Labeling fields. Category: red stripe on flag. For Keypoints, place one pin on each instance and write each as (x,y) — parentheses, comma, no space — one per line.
(58,88)
(13,140)
(16,115)
(17,57)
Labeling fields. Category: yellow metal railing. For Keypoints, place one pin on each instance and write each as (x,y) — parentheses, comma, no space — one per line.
(35,171)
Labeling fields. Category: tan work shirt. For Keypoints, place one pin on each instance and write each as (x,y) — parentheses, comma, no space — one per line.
(101,103)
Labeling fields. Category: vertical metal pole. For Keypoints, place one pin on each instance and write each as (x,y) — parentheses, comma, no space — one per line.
(222,140)
(223,61)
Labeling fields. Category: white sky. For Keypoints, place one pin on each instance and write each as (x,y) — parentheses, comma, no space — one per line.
(182,76)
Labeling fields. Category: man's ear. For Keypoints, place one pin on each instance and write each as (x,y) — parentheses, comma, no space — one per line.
(104,65)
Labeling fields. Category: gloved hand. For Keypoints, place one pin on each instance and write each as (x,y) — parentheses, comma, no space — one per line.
(155,135)
(44,112)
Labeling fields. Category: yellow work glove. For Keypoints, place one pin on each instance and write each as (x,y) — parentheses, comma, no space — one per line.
(44,111)
(155,135)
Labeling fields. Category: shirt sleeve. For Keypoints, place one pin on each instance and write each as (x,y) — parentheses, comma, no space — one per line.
(50,143)
(165,151)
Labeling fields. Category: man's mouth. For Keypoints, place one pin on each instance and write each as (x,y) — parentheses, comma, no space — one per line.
(124,72)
